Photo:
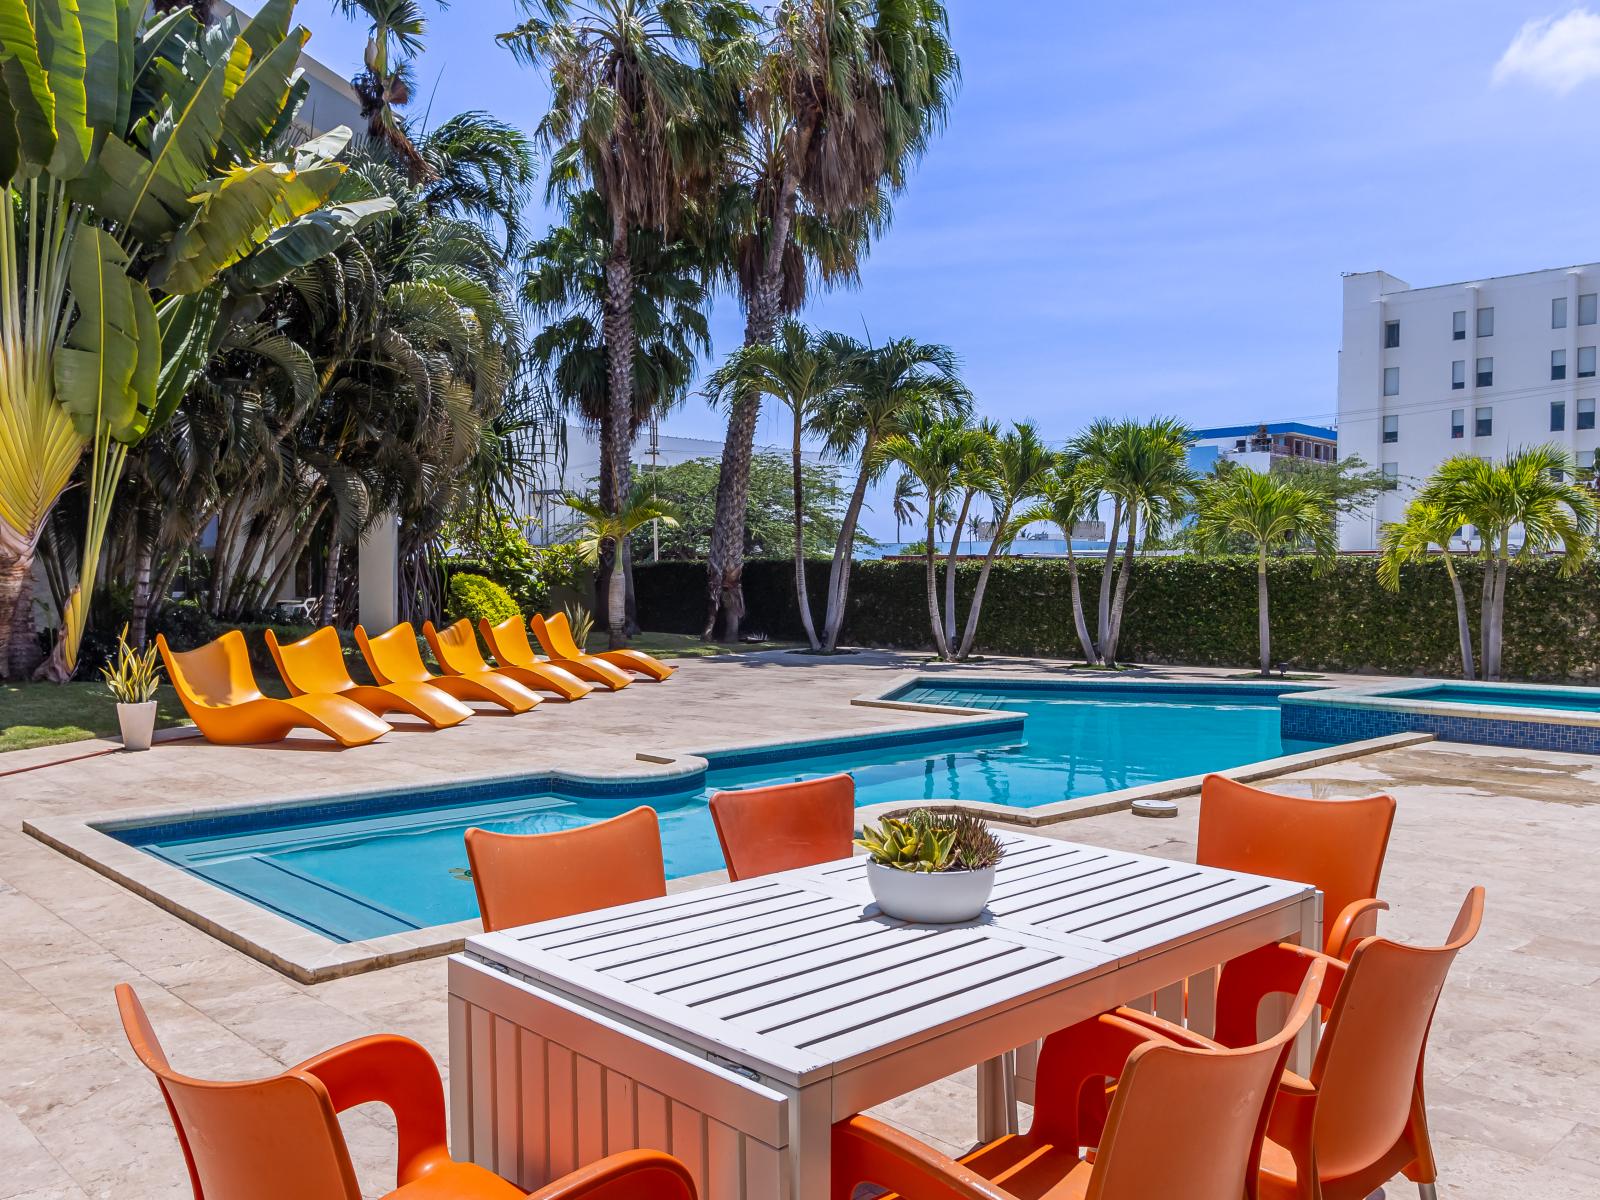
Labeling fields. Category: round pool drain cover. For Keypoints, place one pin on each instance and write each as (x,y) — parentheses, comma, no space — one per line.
(1155,808)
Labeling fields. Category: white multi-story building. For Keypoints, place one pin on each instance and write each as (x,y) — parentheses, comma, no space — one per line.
(1256,446)
(1464,368)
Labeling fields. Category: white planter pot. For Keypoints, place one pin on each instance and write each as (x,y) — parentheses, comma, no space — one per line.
(935,898)
(138,723)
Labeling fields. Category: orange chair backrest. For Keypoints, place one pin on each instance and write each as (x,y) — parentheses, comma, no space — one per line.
(562,643)
(527,877)
(1373,1044)
(261,1139)
(1337,845)
(215,675)
(456,647)
(510,636)
(314,664)
(1189,1122)
(393,656)
(786,825)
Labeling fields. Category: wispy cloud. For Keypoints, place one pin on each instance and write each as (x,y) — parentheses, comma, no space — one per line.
(1558,53)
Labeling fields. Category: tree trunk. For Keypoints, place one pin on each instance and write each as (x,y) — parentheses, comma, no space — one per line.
(839,573)
(1119,602)
(617,607)
(139,616)
(20,644)
(1486,610)
(950,572)
(1503,576)
(929,558)
(617,325)
(330,583)
(1263,616)
(800,594)
(1102,626)
(1463,628)
(1079,621)
(1002,519)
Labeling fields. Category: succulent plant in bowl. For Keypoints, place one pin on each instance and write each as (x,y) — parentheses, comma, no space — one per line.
(934,868)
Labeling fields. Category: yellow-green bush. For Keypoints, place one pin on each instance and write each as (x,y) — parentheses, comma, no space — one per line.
(473,596)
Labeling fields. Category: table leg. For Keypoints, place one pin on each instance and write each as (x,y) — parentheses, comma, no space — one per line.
(997,1097)
(810,1144)
(1305,1046)
(1202,1002)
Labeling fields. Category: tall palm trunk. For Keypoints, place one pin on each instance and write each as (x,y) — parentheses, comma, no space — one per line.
(139,614)
(19,653)
(930,559)
(617,606)
(1108,648)
(1463,628)
(970,634)
(1263,615)
(1079,621)
(330,582)
(800,593)
(1102,626)
(1498,609)
(843,552)
(617,325)
(950,560)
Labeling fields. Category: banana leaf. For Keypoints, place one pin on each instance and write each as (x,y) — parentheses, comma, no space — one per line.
(32,103)
(303,241)
(61,52)
(98,371)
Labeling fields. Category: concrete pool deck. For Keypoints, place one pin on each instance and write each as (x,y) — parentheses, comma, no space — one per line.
(1514,1075)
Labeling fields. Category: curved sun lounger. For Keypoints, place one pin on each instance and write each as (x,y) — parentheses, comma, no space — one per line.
(508,642)
(315,665)
(219,692)
(456,648)
(393,657)
(555,635)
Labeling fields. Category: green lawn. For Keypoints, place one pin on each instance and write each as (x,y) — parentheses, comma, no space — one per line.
(680,645)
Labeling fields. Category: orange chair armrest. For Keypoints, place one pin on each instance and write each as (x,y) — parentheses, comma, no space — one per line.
(1268,971)
(1358,920)
(1176,1034)
(868,1151)
(629,1175)
(400,1073)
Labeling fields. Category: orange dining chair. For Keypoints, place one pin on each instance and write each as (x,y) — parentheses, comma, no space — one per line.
(456,648)
(525,877)
(785,825)
(316,664)
(555,636)
(1362,1116)
(279,1137)
(220,694)
(393,657)
(1185,1122)
(508,642)
(1337,846)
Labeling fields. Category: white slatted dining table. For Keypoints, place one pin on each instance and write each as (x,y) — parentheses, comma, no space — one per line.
(733,1025)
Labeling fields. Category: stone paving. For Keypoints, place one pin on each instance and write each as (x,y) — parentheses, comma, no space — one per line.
(1514,1074)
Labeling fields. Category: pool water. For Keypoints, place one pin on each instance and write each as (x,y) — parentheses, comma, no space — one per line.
(1504,697)
(358,869)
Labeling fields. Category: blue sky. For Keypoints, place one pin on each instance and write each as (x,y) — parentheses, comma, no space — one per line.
(1146,208)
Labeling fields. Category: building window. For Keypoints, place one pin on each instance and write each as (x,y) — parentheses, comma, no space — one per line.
(1586,309)
(1391,476)
(1483,422)
(1486,322)
(1239,446)
(1585,362)
(1391,335)
(1391,430)
(1458,422)
(1458,325)
(1558,313)
(1391,381)
(1558,415)
(1557,474)
(1558,364)
(1585,414)
(1458,374)
(1586,460)
(1486,371)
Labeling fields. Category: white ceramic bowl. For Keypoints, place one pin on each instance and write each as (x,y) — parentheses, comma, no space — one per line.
(931,898)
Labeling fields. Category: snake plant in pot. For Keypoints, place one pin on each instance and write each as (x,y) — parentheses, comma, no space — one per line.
(933,868)
(132,678)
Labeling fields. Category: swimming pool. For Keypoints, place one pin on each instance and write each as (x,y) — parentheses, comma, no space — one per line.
(1563,699)
(363,868)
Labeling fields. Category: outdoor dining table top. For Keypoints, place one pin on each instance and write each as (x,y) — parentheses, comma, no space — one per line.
(792,977)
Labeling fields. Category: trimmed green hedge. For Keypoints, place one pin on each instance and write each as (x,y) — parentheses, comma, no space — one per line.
(474,597)
(1183,610)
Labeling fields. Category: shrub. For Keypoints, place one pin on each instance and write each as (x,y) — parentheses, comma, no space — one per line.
(473,596)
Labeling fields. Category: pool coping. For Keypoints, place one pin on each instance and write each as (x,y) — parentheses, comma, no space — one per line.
(311,958)
(1391,696)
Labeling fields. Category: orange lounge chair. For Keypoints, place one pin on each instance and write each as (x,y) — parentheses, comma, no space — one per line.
(1184,1122)
(508,642)
(456,648)
(555,635)
(1362,1115)
(393,657)
(219,692)
(785,825)
(315,664)
(279,1137)
(525,877)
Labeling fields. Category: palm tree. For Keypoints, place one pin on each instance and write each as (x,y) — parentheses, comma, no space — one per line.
(935,450)
(626,116)
(1427,523)
(974,477)
(1531,491)
(602,526)
(1022,466)
(886,388)
(395,27)
(804,371)
(1266,512)
(1069,493)
(842,99)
